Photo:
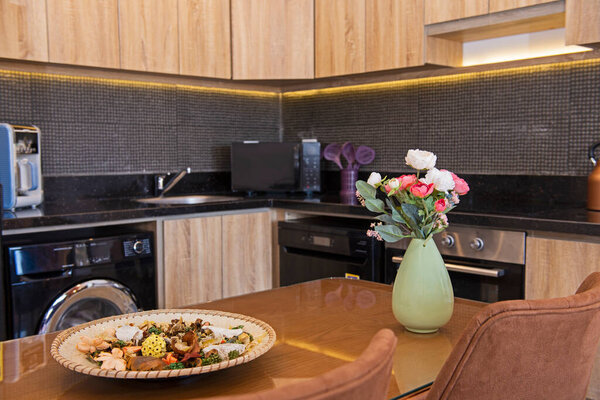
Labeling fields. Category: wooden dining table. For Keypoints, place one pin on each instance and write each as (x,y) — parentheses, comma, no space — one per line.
(320,325)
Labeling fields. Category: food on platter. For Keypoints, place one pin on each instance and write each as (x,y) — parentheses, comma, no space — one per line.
(154,346)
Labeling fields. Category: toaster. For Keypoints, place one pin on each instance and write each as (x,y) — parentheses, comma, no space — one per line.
(20,166)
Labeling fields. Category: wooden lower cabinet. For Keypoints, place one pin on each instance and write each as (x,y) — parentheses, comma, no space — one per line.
(556,268)
(209,258)
(247,256)
(192,261)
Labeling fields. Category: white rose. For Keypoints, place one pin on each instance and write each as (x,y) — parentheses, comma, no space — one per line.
(374,179)
(442,180)
(419,159)
(394,183)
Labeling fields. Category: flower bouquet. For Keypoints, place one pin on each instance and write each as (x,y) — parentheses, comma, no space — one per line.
(410,205)
(415,206)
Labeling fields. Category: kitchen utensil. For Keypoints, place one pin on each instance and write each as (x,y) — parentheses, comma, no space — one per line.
(364,155)
(593,198)
(332,153)
(348,152)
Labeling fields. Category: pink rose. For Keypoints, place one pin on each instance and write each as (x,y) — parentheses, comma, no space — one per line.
(387,188)
(421,189)
(440,205)
(407,181)
(460,186)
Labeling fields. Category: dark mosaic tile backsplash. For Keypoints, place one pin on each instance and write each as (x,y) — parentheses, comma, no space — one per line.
(103,127)
(527,121)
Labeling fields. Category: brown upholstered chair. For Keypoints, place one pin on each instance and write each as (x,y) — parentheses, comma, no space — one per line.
(366,378)
(525,349)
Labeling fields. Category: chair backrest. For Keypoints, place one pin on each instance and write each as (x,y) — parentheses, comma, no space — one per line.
(366,378)
(526,349)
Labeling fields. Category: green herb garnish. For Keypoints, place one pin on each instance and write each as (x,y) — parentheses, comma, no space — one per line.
(212,359)
(176,365)
(119,343)
(238,327)
(154,330)
(233,354)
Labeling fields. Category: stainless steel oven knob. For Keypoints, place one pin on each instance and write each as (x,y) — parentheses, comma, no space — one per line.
(448,241)
(477,244)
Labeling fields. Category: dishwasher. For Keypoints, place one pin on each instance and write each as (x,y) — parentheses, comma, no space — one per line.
(316,248)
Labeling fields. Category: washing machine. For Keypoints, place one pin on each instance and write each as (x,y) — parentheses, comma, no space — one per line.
(54,285)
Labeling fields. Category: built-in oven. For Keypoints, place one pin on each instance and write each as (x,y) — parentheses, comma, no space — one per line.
(324,247)
(484,264)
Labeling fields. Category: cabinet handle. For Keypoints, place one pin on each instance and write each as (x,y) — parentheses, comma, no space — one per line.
(494,272)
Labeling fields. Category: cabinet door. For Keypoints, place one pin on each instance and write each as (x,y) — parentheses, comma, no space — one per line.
(23,32)
(394,33)
(582,22)
(501,5)
(192,261)
(83,32)
(448,10)
(272,39)
(555,268)
(204,38)
(247,256)
(148,35)
(339,37)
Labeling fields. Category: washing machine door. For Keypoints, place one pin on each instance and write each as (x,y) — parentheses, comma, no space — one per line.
(86,302)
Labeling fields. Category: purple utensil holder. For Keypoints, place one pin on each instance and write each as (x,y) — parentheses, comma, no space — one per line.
(348,186)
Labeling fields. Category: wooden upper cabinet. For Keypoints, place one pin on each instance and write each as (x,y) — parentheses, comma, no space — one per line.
(23,32)
(502,5)
(148,35)
(247,256)
(272,39)
(205,38)
(582,22)
(339,37)
(449,10)
(83,32)
(394,34)
(192,261)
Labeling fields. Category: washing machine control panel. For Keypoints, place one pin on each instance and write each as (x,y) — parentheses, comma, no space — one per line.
(137,247)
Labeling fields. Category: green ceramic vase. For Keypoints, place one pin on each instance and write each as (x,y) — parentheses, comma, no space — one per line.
(422,299)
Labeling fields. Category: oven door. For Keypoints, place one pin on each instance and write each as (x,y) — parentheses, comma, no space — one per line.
(485,281)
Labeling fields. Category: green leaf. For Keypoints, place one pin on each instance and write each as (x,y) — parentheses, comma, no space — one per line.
(427,229)
(375,205)
(385,218)
(367,191)
(390,233)
(410,213)
(396,216)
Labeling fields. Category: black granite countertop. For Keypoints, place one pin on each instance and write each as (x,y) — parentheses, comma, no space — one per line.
(526,203)
(575,220)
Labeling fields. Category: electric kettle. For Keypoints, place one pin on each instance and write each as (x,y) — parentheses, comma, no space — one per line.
(593,201)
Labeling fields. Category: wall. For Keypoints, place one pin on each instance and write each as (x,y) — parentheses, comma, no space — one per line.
(529,121)
(96,126)
(523,121)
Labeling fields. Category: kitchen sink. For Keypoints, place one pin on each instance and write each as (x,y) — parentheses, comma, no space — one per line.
(192,199)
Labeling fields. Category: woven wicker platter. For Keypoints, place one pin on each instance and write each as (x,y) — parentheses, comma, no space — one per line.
(65,353)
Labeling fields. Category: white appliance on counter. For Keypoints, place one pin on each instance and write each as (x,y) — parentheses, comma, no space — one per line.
(20,166)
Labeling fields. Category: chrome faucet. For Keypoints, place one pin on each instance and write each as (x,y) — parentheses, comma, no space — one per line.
(161,189)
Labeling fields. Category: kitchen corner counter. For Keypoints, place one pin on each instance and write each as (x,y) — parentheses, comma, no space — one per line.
(572,220)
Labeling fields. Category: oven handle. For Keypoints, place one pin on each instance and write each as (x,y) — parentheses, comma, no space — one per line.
(494,272)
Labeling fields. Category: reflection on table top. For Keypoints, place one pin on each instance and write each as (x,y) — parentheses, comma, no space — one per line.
(320,325)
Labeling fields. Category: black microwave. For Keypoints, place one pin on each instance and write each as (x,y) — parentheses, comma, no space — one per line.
(276,167)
